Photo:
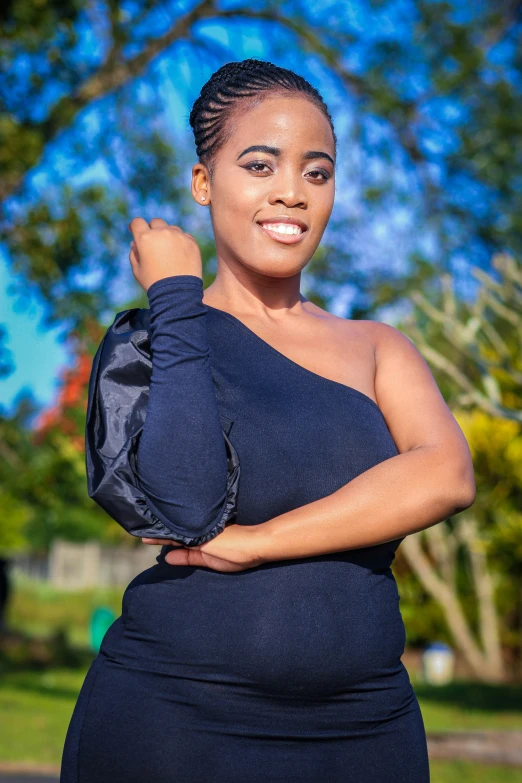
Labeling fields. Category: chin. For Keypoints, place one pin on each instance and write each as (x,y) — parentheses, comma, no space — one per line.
(277,268)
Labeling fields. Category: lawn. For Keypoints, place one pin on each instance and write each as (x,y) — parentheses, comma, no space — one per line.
(35,709)
(36,706)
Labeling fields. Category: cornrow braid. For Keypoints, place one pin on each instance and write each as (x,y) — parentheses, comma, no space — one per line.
(230,85)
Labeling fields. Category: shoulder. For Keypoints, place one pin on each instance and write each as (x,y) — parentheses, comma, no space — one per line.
(389,347)
(405,388)
(403,379)
(387,338)
(354,330)
(408,394)
(381,338)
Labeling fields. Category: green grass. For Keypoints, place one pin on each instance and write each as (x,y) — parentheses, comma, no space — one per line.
(467,706)
(36,707)
(464,772)
(35,710)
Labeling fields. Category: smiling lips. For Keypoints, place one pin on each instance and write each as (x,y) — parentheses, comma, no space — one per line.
(287,233)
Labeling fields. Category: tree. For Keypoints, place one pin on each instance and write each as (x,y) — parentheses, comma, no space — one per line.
(430,136)
(478,348)
(15,453)
(431,99)
(43,486)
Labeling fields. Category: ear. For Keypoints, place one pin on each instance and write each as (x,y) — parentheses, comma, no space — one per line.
(200,185)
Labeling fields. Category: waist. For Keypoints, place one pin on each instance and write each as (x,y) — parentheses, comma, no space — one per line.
(322,624)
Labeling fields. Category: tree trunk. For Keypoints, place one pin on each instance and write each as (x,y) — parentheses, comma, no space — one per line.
(484,658)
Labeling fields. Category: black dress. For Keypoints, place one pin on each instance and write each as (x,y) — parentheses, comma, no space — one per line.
(289,671)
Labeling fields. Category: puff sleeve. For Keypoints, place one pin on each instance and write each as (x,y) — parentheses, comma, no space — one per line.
(158,457)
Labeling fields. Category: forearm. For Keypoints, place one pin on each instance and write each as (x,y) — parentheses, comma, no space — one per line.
(181,459)
(396,497)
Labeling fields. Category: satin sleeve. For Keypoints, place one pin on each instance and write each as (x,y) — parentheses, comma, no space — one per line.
(181,464)
(181,444)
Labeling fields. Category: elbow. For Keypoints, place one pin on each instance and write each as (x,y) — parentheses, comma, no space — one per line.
(464,498)
(452,479)
(189,504)
(462,481)
(467,488)
(190,523)
(195,511)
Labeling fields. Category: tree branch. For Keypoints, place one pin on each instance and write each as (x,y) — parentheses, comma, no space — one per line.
(467,532)
(113,74)
(448,600)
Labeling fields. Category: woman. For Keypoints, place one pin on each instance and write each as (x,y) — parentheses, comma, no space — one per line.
(268,649)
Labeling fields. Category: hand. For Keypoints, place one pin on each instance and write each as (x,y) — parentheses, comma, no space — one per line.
(160,250)
(234,549)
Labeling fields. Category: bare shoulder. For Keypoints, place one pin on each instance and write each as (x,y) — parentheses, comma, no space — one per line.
(358,330)
(381,338)
(386,338)
(408,395)
(377,337)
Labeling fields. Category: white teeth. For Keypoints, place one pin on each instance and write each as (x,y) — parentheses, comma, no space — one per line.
(283,228)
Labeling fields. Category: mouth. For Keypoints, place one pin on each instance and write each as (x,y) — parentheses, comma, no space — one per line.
(285,231)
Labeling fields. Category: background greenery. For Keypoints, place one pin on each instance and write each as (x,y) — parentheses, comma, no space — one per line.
(425,234)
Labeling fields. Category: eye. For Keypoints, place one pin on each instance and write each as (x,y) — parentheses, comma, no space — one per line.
(250,166)
(257,166)
(325,175)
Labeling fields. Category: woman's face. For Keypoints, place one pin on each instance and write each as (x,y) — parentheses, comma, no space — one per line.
(292,177)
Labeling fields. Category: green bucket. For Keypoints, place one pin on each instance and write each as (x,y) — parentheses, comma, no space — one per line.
(101,620)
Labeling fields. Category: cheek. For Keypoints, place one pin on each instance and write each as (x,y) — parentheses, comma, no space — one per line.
(238,206)
(244,196)
(323,208)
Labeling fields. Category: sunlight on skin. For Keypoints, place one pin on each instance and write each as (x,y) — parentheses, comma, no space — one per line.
(232,550)
(247,187)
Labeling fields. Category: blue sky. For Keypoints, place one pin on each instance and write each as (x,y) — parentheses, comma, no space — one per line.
(36,353)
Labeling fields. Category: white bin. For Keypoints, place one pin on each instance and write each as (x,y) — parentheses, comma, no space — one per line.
(438,663)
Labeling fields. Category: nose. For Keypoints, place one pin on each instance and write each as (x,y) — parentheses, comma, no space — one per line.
(288,190)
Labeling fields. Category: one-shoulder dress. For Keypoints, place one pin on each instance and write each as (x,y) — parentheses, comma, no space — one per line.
(287,672)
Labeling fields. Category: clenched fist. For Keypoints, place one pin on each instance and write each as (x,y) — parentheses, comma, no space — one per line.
(160,250)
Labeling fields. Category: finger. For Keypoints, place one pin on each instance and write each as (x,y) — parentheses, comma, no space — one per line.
(177,557)
(135,267)
(138,226)
(158,223)
(161,541)
(133,257)
(186,556)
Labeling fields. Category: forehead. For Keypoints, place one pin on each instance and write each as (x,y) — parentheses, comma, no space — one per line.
(286,121)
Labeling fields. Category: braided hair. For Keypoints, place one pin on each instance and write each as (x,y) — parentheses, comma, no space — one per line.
(228,87)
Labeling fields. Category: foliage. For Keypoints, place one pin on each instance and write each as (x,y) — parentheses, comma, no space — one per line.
(427,95)
(470,564)
(42,611)
(42,468)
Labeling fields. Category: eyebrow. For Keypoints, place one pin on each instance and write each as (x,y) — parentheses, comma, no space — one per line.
(310,155)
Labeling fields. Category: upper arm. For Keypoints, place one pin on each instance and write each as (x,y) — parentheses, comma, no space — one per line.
(412,404)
